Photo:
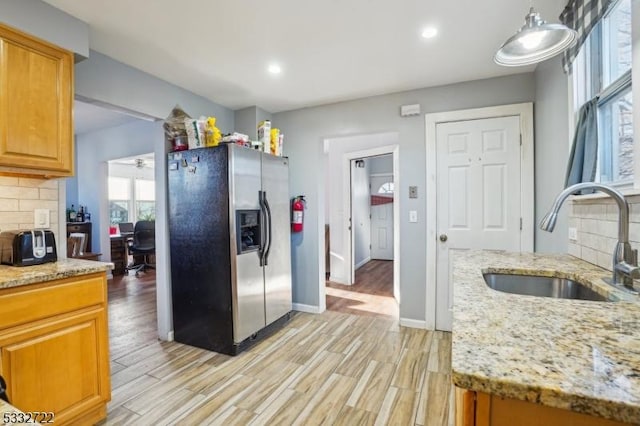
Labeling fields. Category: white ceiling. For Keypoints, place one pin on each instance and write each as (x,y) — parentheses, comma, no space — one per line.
(330,50)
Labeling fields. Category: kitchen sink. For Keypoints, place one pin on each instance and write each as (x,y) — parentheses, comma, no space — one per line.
(532,285)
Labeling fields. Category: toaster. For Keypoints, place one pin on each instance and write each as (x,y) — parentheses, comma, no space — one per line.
(26,248)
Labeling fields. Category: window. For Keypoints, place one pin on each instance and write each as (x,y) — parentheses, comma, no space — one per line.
(386,188)
(127,193)
(603,69)
(145,199)
(119,199)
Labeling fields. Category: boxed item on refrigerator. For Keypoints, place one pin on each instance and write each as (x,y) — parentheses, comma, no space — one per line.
(196,130)
(264,134)
(280,144)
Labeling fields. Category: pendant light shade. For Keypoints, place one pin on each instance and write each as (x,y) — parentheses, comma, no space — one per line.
(536,41)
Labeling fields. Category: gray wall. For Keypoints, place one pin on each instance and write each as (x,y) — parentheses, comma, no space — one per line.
(247,120)
(107,80)
(305,131)
(552,146)
(381,164)
(94,150)
(46,22)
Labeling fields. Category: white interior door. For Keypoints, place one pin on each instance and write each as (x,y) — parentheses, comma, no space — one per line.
(478,195)
(382,217)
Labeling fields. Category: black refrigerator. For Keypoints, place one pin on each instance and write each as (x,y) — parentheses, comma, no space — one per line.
(230,248)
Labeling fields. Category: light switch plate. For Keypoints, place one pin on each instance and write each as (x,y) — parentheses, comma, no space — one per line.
(573,234)
(413,216)
(413,192)
(41,218)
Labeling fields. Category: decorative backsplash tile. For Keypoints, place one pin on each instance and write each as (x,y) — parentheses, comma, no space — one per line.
(20,196)
(596,220)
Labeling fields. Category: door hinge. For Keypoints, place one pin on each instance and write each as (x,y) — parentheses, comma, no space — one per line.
(520,139)
(521,224)
(369,246)
(369,215)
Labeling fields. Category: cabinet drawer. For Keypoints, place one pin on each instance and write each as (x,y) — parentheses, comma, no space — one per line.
(19,305)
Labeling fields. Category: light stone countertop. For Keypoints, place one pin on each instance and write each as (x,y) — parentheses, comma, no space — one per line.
(14,276)
(578,355)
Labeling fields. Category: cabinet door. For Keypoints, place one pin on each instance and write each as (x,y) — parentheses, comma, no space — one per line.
(59,366)
(36,92)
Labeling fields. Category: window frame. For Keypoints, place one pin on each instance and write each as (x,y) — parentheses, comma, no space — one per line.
(586,82)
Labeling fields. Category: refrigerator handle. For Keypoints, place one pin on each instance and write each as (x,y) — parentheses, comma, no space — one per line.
(263,228)
(266,204)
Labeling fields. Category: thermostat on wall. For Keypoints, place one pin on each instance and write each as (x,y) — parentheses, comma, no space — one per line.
(409,110)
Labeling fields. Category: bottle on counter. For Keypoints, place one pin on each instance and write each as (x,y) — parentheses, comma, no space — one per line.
(72,214)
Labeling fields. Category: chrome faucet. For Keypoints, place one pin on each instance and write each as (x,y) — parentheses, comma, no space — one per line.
(625,259)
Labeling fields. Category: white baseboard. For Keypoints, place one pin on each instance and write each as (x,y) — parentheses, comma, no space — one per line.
(170,336)
(411,323)
(307,308)
(364,262)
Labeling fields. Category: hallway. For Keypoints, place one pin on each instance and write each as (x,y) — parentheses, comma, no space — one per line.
(370,295)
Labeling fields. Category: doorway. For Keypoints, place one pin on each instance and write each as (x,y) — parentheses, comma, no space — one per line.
(131,200)
(105,133)
(371,286)
(480,180)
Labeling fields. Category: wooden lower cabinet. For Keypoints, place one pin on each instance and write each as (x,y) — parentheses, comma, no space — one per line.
(58,360)
(482,409)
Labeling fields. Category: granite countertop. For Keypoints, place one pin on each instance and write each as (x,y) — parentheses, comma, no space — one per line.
(578,355)
(13,276)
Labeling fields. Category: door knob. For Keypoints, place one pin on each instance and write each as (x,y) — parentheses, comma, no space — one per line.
(443,237)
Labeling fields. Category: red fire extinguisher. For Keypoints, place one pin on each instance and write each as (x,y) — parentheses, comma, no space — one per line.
(297,213)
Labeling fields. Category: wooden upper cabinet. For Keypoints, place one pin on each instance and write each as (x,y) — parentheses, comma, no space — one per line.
(36,95)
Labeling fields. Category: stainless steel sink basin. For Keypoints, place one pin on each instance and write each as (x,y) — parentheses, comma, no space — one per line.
(531,285)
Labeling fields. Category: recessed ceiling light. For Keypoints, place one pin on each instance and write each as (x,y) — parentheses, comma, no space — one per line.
(429,32)
(274,69)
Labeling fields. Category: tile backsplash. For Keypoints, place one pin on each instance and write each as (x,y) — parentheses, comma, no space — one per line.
(596,220)
(20,196)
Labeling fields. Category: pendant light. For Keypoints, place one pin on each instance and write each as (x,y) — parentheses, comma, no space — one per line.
(535,42)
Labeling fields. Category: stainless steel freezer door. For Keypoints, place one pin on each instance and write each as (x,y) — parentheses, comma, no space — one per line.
(277,272)
(246,273)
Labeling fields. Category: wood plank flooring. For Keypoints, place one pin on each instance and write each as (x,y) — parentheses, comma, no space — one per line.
(371,294)
(333,368)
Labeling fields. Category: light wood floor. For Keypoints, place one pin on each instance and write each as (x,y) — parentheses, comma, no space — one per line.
(332,368)
(371,294)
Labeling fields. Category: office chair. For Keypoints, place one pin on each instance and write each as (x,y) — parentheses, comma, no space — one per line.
(143,244)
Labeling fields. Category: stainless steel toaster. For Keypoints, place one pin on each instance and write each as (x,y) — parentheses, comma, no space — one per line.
(25,248)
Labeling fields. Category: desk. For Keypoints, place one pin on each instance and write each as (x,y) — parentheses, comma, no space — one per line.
(119,255)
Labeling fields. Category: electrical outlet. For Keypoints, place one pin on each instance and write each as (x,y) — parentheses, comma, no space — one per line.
(573,234)
(413,216)
(413,192)
(41,218)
